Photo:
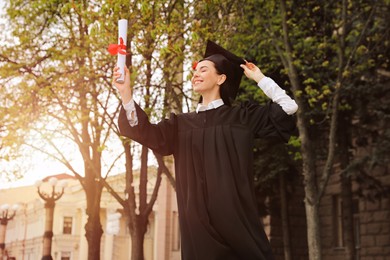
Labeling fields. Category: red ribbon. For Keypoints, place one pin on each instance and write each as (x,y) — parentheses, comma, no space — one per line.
(194,64)
(120,48)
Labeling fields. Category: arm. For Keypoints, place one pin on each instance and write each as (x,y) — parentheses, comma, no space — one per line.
(270,88)
(126,93)
(131,113)
(125,90)
(134,123)
(158,137)
(274,119)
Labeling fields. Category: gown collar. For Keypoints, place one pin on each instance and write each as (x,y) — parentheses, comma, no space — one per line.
(212,105)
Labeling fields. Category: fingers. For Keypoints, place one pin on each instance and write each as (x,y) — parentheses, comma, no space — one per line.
(247,71)
(116,73)
(244,67)
(116,76)
(250,65)
(252,71)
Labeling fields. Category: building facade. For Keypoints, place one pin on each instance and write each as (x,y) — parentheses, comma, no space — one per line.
(369,228)
(24,233)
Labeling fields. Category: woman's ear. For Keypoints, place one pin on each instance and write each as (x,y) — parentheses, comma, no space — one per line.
(221,79)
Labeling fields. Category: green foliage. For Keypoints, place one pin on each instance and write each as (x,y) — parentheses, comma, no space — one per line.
(59,69)
(272,160)
(55,80)
(64,71)
(323,51)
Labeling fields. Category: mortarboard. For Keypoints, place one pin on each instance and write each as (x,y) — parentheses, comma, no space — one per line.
(226,63)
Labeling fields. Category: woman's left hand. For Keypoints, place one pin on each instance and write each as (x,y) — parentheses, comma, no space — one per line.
(252,71)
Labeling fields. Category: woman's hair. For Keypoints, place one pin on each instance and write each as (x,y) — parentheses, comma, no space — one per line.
(222,66)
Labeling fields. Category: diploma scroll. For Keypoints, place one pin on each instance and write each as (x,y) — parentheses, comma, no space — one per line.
(121,61)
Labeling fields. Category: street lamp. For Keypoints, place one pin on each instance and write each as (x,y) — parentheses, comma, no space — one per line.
(50,198)
(6,214)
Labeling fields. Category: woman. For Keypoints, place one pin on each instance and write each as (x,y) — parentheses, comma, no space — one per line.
(212,148)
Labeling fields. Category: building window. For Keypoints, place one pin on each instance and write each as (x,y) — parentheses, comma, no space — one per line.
(338,229)
(67,227)
(338,221)
(175,232)
(65,255)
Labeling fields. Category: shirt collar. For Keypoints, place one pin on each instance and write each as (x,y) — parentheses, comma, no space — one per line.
(212,105)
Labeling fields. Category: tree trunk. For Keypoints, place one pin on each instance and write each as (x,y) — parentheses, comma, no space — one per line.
(310,187)
(308,155)
(93,233)
(313,231)
(346,195)
(284,216)
(137,238)
(309,175)
(347,213)
(93,227)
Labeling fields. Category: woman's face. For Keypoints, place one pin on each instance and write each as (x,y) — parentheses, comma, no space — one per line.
(205,78)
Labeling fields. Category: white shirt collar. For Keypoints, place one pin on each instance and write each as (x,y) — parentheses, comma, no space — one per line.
(212,105)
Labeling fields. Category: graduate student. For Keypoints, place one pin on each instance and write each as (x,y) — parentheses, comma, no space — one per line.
(212,149)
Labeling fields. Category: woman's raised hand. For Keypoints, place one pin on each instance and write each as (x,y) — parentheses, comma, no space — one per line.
(252,71)
(124,88)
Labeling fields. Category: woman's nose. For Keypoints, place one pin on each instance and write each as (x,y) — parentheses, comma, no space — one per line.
(195,74)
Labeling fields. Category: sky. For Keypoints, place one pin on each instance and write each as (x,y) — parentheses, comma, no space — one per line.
(34,166)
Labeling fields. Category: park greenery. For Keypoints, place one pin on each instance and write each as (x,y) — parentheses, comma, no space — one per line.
(331,56)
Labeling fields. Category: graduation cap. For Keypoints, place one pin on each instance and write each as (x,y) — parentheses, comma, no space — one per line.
(226,63)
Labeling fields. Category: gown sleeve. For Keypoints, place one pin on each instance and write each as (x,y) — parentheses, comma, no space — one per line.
(158,137)
(270,121)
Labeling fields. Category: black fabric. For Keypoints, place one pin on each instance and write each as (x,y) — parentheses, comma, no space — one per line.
(214,175)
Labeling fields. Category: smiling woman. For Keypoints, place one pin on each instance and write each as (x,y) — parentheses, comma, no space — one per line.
(207,81)
(213,155)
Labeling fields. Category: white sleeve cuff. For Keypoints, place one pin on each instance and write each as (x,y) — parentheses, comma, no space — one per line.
(131,113)
(278,95)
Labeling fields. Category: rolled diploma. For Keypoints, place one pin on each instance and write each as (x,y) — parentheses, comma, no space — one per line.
(121,62)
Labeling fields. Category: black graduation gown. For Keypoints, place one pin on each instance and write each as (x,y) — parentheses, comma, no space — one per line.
(214,175)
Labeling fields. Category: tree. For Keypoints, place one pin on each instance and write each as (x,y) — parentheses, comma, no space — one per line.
(11,128)
(62,81)
(69,80)
(156,37)
(319,46)
(10,134)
